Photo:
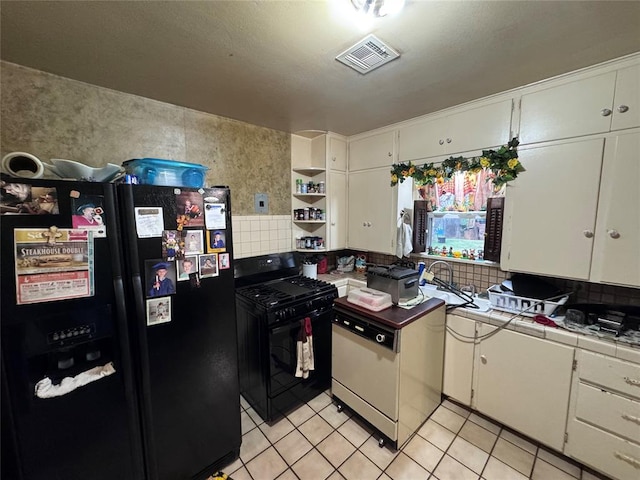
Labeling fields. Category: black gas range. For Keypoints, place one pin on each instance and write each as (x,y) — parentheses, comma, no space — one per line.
(273,302)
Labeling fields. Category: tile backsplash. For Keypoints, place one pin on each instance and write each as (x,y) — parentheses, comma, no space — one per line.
(483,276)
(261,234)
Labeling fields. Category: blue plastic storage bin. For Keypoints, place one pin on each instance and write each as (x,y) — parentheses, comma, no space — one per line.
(156,171)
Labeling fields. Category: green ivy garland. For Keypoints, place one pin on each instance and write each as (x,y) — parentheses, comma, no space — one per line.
(502,163)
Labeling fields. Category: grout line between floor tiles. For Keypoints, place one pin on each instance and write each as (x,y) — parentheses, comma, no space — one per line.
(397,452)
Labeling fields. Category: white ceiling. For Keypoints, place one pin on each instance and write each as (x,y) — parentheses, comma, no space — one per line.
(272,63)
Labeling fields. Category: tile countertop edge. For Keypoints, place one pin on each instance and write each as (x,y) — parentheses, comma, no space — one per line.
(524,325)
(527,326)
(340,279)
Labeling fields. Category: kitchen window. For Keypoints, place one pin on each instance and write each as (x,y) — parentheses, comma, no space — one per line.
(456,217)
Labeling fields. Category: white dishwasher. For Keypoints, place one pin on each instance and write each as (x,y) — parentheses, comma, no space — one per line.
(387,366)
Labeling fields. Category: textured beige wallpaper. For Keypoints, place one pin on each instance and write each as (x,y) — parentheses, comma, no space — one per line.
(54,117)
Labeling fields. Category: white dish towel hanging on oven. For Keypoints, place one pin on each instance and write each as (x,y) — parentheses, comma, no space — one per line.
(304,349)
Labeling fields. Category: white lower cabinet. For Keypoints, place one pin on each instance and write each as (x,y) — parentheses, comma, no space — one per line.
(524,383)
(603,431)
(458,358)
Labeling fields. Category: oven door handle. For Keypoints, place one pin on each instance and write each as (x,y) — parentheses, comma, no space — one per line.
(278,330)
(291,324)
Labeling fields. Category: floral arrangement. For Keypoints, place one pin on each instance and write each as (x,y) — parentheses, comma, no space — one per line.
(502,163)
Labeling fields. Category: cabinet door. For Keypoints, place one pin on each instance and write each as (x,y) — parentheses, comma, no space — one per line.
(616,250)
(626,105)
(458,358)
(552,211)
(337,154)
(524,382)
(569,110)
(422,140)
(337,211)
(479,128)
(370,204)
(371,152)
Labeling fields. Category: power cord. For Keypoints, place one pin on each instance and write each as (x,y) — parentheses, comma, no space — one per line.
(468,339)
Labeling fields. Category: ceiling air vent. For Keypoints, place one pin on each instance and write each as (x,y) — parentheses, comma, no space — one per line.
(368,54)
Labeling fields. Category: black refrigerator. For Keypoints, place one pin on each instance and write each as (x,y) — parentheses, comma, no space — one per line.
(119,351)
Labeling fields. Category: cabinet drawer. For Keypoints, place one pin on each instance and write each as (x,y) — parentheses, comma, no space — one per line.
(609,411)
(605,452)
(613,374)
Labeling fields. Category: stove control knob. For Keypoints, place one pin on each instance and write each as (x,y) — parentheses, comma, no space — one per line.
(380,338)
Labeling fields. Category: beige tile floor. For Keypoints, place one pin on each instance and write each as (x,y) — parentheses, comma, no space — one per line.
(315,442)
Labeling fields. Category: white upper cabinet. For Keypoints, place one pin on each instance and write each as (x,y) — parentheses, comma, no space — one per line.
(337,154)
(337,209)
(616,257)
(471,129)
(596,104)
(574,212)
(626,105)
(422,140)
(551,210)
(371,152)
(374,208)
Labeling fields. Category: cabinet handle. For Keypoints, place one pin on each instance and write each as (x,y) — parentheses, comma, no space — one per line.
(613,233)
(333,159)
(588,233)
(631,418)
(390,154)
(364,224)
(368,224)
(605,112)
(333,224)
(627,458)
(441,142)
(448,140)
(483,359)
(632,381)
(623,108)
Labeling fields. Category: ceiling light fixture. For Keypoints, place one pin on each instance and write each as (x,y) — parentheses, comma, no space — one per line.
(378,8)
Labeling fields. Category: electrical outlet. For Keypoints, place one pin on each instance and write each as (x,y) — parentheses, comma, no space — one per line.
(262,203)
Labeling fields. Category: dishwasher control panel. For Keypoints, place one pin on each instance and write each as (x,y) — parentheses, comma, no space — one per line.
(371,331)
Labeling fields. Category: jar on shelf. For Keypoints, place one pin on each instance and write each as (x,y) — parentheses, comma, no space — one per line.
(303,187)
(320,187)
(298,185)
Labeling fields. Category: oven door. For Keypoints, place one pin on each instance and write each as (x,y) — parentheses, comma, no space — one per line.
(283,339)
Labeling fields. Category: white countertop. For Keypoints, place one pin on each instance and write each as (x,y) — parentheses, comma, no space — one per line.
(604,344)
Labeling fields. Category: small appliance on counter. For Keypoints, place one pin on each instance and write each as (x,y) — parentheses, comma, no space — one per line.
(399,282)
(370,299)
(606,318)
